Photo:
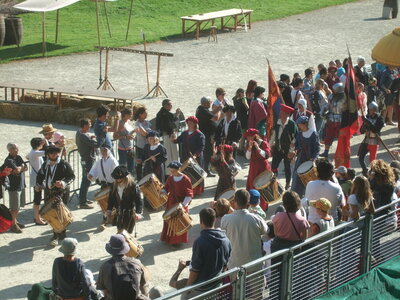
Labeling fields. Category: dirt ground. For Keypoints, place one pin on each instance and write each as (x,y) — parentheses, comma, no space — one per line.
(198,67)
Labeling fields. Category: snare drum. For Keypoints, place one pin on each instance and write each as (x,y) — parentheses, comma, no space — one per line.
(193,170)
(178,220)
(229,195)
(307,172)
(56,214)
(268,186)
(135,249)
(102,198)
(151,188)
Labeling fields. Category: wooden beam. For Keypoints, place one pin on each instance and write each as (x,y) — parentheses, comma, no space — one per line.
(134,51)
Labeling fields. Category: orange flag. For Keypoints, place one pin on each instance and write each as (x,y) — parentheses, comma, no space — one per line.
(273,94)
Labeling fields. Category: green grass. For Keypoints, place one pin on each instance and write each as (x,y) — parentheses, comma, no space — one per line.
(159,19)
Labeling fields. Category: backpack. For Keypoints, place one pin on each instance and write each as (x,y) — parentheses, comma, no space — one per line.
(123,280)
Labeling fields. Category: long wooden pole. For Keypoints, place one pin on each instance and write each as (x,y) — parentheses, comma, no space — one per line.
(43,35)
(97,22)
(129,21)
(57,20)
(108,23)
(145,59)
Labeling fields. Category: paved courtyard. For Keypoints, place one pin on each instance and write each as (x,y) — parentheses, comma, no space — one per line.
(291,44)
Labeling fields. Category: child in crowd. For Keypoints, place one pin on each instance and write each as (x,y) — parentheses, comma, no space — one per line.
(267,249)
(58,140)
(343,179)
(221,207)
(254,204)
(373,91)
(35,158)
(326,221)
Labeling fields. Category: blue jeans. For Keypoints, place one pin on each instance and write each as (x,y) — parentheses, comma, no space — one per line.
(85,183)
(125,158)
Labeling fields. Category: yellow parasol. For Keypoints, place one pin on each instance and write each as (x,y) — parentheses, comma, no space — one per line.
(387,50)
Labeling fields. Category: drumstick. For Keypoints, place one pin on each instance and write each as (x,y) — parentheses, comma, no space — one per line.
(150,158)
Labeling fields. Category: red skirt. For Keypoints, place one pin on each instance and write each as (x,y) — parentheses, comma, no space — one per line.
(173,239)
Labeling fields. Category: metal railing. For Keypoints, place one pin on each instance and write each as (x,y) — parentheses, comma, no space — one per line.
(315,266)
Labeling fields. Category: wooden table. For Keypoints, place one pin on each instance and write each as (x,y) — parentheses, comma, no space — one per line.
(238,15)
(18,91)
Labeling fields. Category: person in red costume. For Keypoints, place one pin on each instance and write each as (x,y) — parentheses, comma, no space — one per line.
(257,111)
(192,142)
(179,189)
(258,152)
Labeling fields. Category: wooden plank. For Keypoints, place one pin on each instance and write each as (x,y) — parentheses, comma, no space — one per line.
(65,90)
(134,51)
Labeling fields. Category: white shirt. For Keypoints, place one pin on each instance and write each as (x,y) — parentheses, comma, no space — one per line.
(109,165)
(244,230)
(324,189)
(227,123)
(293,94)
(35,158)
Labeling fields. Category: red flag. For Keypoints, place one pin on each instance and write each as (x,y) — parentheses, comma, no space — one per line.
(273,94)
(349,124)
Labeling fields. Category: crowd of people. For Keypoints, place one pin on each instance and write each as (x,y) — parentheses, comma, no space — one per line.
(306,117)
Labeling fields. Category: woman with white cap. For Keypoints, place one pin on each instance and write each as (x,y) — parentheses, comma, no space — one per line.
(69,280)
(307,149)
(303,111)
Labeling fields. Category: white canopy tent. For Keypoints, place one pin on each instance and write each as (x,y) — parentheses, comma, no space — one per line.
(44,6)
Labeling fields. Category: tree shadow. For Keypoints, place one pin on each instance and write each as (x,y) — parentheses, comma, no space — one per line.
(27,50)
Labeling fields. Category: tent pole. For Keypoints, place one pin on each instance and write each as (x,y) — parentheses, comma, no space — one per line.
(57,17)
(43,36)
(97,21)
(108,23)
(129,21)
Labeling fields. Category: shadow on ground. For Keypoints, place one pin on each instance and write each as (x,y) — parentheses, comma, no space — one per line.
(27,50)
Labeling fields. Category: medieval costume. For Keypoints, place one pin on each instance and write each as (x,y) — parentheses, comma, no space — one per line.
(226,169)
(55,171)
(179,189)
(372,125)
(307,147)
(257,112)
(336,101)
(159,153)
(125,199)
(229,130)
(258,152)
(282,142)
(192,143)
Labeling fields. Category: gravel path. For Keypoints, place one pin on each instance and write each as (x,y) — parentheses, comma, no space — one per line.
(197,68)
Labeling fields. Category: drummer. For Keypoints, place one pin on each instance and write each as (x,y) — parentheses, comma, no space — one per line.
(179,189)
(154,156)
(102,168)
(55,176)
(226,167)
(125,198)
(101,172)
(257,152)
(307,148)
(282,143)
(193,143)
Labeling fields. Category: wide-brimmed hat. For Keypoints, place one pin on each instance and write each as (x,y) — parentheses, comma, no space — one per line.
(120,172)
(47,128)
(117,245)
(68,246)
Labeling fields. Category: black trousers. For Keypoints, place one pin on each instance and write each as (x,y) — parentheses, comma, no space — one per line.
(207,152)
(394,5)
(276,160)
